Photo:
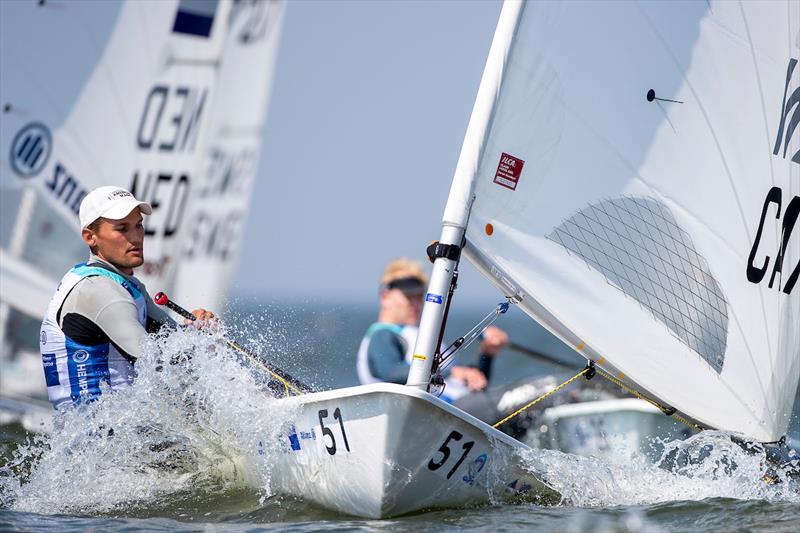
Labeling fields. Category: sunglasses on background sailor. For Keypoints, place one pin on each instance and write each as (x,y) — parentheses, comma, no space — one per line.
(410,287)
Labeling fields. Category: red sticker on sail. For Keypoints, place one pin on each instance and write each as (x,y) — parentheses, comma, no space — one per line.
(508,171)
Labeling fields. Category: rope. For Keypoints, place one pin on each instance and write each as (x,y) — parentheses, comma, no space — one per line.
(663,409)
(543,396)
(613,380)
(286,385)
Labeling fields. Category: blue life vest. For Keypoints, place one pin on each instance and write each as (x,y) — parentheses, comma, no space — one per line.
(407,335)
(73,371)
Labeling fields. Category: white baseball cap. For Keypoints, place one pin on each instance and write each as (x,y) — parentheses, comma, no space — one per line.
(110,202)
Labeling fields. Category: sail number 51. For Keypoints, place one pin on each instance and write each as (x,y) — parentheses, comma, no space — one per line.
(438,462)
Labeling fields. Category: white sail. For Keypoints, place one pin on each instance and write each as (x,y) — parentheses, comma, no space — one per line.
(221,197)
(635,170)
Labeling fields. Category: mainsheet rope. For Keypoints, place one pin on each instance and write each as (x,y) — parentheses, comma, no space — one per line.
(591,368)
(543,396)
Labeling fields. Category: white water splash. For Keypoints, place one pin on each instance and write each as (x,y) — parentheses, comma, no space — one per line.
(194,420)
(707,465)
(209,424)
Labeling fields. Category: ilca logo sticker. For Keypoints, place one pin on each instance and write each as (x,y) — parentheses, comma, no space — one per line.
(509,170)
(30,150)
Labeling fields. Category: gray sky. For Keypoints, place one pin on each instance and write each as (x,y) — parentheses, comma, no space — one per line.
(369,108)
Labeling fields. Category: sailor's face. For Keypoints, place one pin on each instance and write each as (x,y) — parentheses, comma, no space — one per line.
(406,306)
(119,242)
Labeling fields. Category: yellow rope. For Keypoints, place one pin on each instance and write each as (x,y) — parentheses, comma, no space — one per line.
(663,409)
(286,384)
(612,379)
(542,397)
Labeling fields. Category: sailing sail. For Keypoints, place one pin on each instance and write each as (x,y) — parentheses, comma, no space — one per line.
(633,172)
(221,198)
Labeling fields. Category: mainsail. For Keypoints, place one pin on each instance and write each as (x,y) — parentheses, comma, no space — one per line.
(630,176)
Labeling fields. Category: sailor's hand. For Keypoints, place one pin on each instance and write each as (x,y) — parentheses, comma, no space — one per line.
(205,319)
(494,340)
(472,377)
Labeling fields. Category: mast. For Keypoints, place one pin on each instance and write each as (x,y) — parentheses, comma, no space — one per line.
(449,251)
(459,201)
(19,234)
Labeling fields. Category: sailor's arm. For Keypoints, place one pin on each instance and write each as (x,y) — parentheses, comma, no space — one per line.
(99,310)
(493,340)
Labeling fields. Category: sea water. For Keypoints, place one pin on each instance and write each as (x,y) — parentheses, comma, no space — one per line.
(162,454)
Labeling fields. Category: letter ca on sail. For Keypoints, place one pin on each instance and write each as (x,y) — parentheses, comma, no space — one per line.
(778,208)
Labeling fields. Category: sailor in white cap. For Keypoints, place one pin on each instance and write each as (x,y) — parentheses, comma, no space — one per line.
(99,314)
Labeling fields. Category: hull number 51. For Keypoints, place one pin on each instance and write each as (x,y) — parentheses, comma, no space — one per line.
(438,462)
(328,432)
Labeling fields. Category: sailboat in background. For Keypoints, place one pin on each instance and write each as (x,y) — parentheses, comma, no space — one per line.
(630,179)
(221,197)
(166,99)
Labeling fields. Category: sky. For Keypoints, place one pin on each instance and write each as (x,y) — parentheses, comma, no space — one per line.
(368,111)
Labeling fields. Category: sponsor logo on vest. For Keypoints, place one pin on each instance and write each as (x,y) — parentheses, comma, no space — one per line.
(82,381)
(43,337)
(80,356)
(50,369)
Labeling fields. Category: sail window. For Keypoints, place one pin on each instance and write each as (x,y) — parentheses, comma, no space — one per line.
(637,245)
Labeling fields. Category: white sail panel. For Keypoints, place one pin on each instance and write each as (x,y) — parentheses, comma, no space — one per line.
(221,199)
(635,184)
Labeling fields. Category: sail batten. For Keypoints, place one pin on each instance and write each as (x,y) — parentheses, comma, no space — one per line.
(624,161)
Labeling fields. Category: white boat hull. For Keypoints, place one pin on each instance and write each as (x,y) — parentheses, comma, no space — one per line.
(612,429)
(384,450)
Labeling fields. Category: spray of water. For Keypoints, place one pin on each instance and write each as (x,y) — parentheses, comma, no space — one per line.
(707,465)
(196,420)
